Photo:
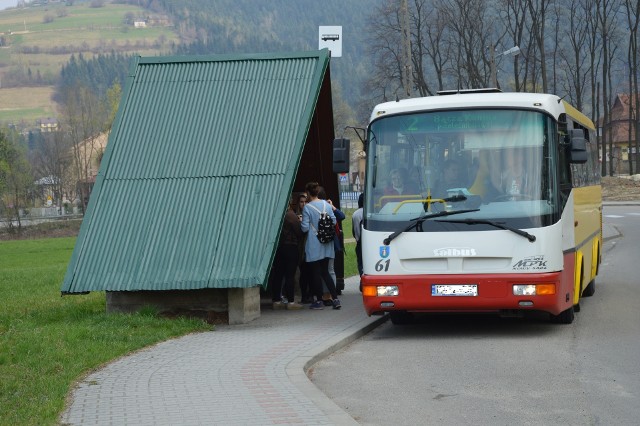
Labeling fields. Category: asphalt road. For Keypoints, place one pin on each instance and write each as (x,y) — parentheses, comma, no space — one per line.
(480,369)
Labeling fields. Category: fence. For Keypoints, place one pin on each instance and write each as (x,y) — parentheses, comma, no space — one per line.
(349,199)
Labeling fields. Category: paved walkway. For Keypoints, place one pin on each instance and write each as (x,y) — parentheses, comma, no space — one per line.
(252,374)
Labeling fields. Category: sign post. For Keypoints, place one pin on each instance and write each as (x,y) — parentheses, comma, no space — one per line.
(330,37)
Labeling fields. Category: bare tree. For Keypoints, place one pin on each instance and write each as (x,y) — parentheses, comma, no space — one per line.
(51,158)
(385,46)
(606,10)
(469,31)
(85,117)
(15,175)
(514,14)
(538,13)
(574,55)
(429,50)
(633,19)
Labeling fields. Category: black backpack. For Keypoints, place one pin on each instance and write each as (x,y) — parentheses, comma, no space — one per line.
(326,231)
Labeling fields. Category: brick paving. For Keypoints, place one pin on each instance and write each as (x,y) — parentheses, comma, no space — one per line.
(251,374)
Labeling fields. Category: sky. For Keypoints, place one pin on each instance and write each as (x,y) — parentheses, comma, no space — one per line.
(7,3)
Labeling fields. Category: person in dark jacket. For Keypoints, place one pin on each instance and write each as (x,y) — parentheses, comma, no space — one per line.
(285,263)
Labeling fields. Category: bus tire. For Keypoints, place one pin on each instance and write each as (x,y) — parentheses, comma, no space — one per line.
(590,290)
(564,317)
(401,317)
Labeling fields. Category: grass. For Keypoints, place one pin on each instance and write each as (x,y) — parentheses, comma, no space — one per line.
(47,341)
(26,104)
(350,264)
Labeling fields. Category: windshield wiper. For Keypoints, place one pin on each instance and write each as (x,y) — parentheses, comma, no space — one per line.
(500,225)
(417,222)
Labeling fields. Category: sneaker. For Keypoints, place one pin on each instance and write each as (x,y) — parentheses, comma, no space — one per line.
(317,305)
(327,302)
(336,304)
(294,306)
(279,305)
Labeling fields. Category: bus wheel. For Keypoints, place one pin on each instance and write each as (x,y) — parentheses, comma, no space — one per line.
(590,290)
(401,317)
(564,317)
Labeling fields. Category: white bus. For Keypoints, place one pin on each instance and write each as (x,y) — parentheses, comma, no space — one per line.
(480,201)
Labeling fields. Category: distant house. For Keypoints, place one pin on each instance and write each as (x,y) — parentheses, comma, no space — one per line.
(89,152)
(622,109)
(48,125)
(139,24)
(201,163)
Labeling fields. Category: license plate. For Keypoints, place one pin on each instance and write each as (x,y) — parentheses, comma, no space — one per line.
(454,289)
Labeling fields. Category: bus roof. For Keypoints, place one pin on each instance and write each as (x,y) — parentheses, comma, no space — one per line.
(551,104)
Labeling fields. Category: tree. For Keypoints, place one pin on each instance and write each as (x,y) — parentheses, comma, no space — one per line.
(430,51)
(538,14)
(514,14)
(470,40)
(633,19)
(606,11)
(85,118)
(51,158)
(15,176)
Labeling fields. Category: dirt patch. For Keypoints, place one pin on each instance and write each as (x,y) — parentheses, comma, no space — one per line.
(620,189)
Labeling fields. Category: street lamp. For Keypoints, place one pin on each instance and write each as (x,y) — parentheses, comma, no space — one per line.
(515,50)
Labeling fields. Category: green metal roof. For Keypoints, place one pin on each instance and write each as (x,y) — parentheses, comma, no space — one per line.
(197,173)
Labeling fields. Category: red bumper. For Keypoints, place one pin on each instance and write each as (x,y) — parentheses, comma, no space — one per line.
(495,293)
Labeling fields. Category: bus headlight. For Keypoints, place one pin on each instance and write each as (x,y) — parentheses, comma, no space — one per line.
(387,290)
(380,290)
(534,289)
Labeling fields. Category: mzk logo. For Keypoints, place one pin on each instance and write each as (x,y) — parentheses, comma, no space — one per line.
(454,252)
(531,263)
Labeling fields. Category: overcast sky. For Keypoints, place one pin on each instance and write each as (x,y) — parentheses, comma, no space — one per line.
(8,3)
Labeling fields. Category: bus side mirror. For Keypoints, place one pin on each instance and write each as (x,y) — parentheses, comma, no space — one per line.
(578,147)
(341,155)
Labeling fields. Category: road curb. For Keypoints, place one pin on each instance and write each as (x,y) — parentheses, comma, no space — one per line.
(298,368)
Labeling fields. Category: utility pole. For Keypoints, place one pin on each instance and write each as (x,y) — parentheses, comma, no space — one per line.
(406,49)
(494,74)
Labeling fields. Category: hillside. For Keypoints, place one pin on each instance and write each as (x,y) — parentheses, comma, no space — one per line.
(36,41)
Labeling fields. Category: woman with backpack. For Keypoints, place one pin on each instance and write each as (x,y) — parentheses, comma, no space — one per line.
(337,242)
(318,220)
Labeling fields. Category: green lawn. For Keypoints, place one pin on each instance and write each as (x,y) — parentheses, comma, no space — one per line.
(350,264)
(47,342)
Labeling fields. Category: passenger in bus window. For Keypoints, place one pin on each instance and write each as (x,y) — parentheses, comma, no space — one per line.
(398,184)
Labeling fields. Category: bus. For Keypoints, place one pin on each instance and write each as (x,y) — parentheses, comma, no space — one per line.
(451,224)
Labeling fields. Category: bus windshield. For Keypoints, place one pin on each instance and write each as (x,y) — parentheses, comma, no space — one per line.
(499,163)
